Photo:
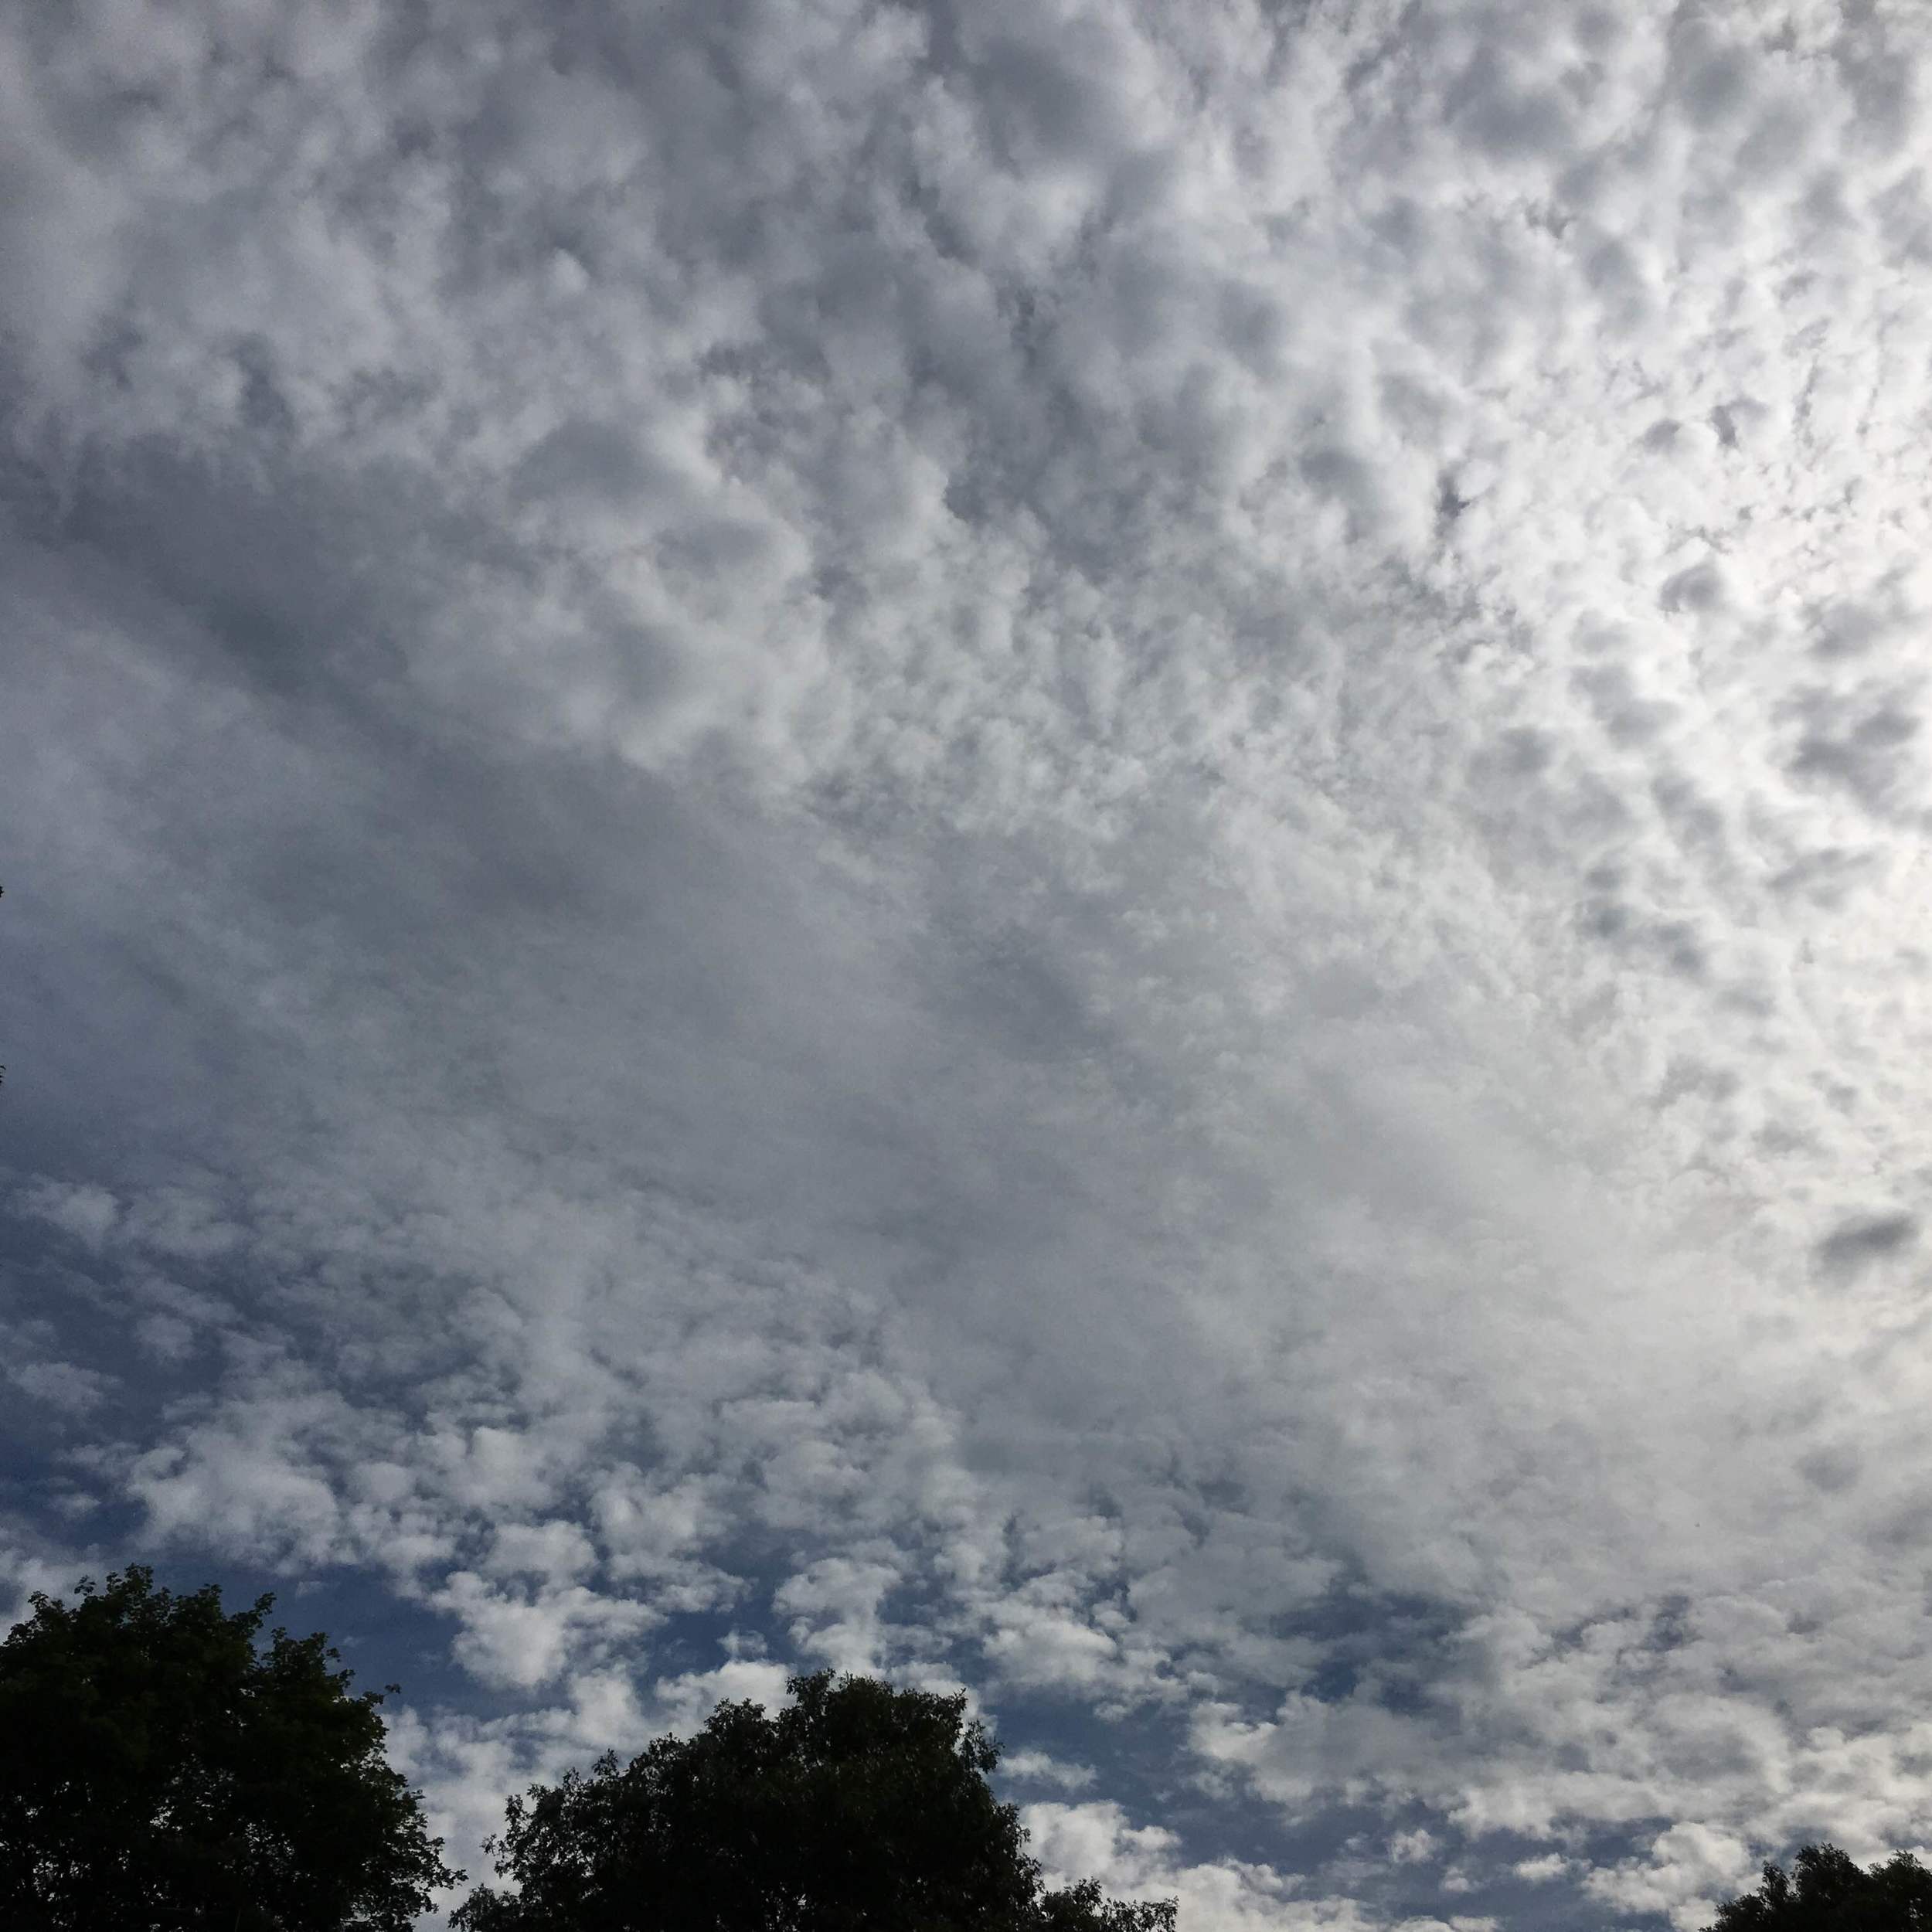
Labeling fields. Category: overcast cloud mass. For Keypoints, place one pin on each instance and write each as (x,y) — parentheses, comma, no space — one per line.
(1073,845)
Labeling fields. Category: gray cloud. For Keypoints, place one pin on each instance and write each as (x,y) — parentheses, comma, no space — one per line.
(1866,1238)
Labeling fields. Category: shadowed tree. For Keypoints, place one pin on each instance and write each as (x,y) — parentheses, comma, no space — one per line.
(1825,1891)
(858,1808)
(162,1772)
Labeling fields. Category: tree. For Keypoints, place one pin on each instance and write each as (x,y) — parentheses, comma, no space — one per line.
(162,1772)
(1826,1892)
(858,1808)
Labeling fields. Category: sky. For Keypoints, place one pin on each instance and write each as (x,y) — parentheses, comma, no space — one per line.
(1070,846)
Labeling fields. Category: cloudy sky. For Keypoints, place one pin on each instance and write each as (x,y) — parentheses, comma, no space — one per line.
(1070,846)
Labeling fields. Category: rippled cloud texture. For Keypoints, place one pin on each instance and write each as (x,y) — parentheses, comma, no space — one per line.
(1071,845)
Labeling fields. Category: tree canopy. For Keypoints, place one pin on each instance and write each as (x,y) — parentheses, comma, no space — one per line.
(857,1807)
(162,1770)
(1827,1891)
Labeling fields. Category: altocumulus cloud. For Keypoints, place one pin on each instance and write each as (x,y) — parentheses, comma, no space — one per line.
(1072,847)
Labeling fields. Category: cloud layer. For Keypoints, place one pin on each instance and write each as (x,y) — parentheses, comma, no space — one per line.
(1073,847)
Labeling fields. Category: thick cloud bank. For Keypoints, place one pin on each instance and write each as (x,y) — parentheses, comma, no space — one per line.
(1076,847)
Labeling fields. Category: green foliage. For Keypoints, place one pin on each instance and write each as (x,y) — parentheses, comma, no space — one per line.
(161,1771)
(1825,1891)
(858,1809)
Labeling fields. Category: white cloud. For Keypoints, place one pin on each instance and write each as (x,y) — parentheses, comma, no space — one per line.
(1075,1841)
(1041,1767)
(1688,1866)
(1541,1871)
(523,1640)
(1070,844)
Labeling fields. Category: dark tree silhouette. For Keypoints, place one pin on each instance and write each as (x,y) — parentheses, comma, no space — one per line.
(162,1772)
(858,1808)
(1825,1891)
